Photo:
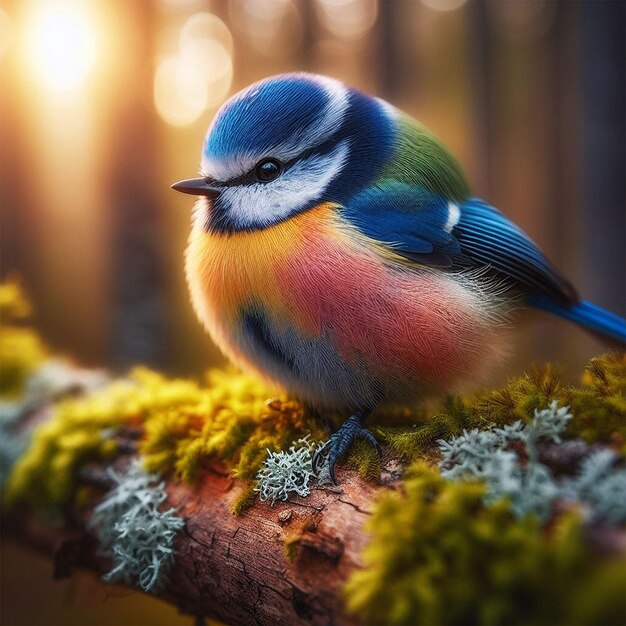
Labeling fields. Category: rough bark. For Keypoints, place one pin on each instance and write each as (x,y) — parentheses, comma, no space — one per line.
(236,568)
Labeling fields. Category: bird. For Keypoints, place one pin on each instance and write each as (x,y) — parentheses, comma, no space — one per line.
(338,252)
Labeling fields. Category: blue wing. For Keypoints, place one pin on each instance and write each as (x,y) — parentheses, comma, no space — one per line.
(409,221)
(428,229)
(490,238)
(432,231)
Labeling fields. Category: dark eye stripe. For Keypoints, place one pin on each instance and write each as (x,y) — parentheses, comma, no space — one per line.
(249,178)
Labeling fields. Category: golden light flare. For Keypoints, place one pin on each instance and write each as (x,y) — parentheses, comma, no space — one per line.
(201,27)
(347,19)
(59,44)
(199,75)
(179,96)
(444,5)
(6,31)
(273,27)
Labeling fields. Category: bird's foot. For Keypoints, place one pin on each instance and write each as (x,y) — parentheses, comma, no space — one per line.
(339,443)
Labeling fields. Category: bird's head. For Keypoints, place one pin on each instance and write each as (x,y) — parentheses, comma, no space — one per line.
(285,145)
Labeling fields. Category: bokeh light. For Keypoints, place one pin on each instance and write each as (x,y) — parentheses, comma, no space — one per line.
(347,19)
(199,75)
(444,5)
(203,27)
(272,27)
(179,94)
(60,47)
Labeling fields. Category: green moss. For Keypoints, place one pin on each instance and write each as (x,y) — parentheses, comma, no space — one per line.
(292,546)
(599,405)
(518,399)
(232,420)
(21,349)
(246,498)
(74,434)
(184,424)
(83,429)
(413,442)
(363,458)
(439,556)
(14,304)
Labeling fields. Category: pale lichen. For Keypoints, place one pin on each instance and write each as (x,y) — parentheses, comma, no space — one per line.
(133,530)
(600,486)
(287,472)
(493,456)
(13,439)
(488,455)
(44,385)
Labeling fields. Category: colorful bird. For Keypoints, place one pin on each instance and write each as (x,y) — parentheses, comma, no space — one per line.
(337,251)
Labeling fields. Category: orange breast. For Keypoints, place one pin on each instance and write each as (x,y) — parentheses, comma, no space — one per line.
(227,271)
(341,300)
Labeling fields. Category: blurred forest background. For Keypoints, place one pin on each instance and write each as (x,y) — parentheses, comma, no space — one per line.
(105,103)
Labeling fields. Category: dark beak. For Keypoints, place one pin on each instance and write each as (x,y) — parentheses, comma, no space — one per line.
(198,187)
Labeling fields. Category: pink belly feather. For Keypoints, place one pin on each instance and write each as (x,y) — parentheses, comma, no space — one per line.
(413,323)
(406,325)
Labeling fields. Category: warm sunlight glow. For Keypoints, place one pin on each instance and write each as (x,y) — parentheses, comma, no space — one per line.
(348,19)
(199,75)
(60,44)
(6,31)
(273,27)
(444,5)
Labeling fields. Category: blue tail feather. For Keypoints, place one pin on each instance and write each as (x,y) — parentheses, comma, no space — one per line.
(586,314)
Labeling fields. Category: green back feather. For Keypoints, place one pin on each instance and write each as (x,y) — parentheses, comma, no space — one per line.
(422,160)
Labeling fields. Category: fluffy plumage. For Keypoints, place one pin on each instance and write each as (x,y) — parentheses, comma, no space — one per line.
(312,305)
(365,272)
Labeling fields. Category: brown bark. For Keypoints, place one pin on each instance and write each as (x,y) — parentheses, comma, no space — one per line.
(236,568)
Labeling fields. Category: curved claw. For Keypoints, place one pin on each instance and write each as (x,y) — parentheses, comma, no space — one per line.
(339,443)
(319,457)
(369,437)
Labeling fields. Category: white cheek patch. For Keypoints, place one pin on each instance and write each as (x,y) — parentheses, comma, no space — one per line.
(454,215)
(262,204)
(291,147)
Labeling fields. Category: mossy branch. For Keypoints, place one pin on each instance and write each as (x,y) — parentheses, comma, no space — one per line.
(305,560)
(282,564)
(151,482)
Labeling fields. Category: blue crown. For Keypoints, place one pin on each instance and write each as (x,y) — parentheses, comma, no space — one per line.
(290,115)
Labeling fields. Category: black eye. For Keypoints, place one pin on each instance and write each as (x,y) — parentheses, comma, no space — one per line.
(268,169)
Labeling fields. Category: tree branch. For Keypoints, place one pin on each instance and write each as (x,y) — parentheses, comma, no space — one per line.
(237,568)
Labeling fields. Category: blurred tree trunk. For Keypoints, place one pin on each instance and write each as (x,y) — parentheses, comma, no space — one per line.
(602,53)
(482,93)
(390,59)
(138,324)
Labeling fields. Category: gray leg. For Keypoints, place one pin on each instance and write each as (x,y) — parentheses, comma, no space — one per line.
(340,441)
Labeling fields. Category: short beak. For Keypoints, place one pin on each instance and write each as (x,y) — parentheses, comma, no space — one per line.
(198,187)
